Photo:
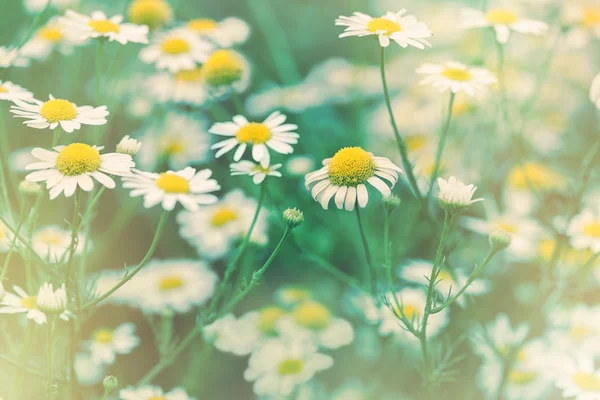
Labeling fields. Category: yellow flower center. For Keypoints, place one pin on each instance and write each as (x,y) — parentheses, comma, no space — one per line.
(267,319)
(102,336)
(170,282)
(253,132)
(312,315)
(51,238)
(50,34)
(446,276)
(291,366)
(175,46)
(3,89)
(587,382)
(409,310)
(580,332)
(58,110)
(457,74)
(223,216)
(103,26)
(153,13)
(591,17)
(351,166)
(521,377)
(416,142)
(501,16)
(295,295)
(2,232)
(173,183)
(171,146)
(77,159)
(223,68)
(382,24)
(192,75)
(157,398)
(592,229)
(535,175)
(29,303)
(506,226)
(570,256)
(202,24)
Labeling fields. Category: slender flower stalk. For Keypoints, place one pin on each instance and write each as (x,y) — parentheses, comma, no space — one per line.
(399,141)
(50,390)
(368,272)
(73,245)
(237,102)
(99,54)
(20,222)
(4,182)
(56,136)
(441,145)
(26,243)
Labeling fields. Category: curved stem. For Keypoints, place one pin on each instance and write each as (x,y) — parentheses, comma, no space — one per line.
(74,243)
(441,145)
(25,242)
(13,242)
(369,269)
(99,53)
(399,141)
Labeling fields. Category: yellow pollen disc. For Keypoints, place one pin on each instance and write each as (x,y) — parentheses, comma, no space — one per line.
(58,110)
(223,68)
(506,226)
(501,16)
(77,159)
(591,17)
(461,106)
(409,310)
(167,283)
(580,332)
(521,377)
(416,142)
(51,238)
(592,229)
(157,398)
(192,75)
(254,133)
(223,216)
(587,382)
(102,336)
(522,356)
(382,24)
(295,295)
(267,319)
(29,303)
(351,166)
(171,146)
(535,175)
(291,367)
(3,89)
(50,34)
(175,46)
(153,13)
(312,315)
(173,183)
(103,26)
(457,74)
(201,25)
(446,276)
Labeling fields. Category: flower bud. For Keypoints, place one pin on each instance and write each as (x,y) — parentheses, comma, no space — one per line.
(50,301)
(293,217)
(128,145)
(29,189)
(499,240)
(110,383)
(391,202)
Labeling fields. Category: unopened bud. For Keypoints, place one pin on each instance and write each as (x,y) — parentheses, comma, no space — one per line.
(499,240)
(128,145)
(110,383)
(30,189)
(391,202)
(293,217)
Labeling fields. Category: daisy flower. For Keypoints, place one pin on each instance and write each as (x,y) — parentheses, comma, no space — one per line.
(10,57)
(345,176)
(578,377)
(153,393)
(584,230)
(583,20)
(176,50)
(498,337)
(55,112)
(455,195)
(100,26)
(279,367)
(456,77)
(228,221)
(105,343)
(53,243)
(50,301)
(226,71)
(186,186)
(50,37)
(153,13)
(10,91)
(226,33)
(185,86)
(21,302)
(87,371)
(36,6)
(19,159)
(72,166)
(503,21)
(129,145)
(291,295)
(594,91)
(273,133)
(576,329)
(256,171)
(402,29)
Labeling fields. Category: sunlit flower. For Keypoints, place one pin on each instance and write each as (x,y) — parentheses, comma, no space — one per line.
(503,21)
(345,176)
(50,37)
(456,77)
(403,29)
(256,171)
(575,329)
(226,33)
(10,57)
(230,335)
(584,230)
(100,26)
(279,367)
(594,91)
(55,112)
(105,343)
(153,393)
(455,195)
(271,134)
(36,6)
(188,187)
(228,221)
(50,301)
(21,302)
(578,377)
(10,91)
(153,13)
(53,243)
(176,50)
(69,167)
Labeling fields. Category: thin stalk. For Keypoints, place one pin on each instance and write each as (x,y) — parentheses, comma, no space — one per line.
(369,270)
(237,102)
(99,53)
(441,145)
(50,388)
(402,149)
(90,208)
(74,242)
(36,22)
(4,182)
(13,242)
(56,136)
(25,242)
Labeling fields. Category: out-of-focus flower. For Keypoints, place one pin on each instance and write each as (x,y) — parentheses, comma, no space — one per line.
(176,50)
(53,243)
(185,86)
(290,295)
(226,70)
(10,57)
(594,91)
(299,165)
(456,77)
(226,33)
(105,343)
(584,230)
(256,171)
(578,377)
(498,337)
(10,91)
(154,13)
(98,25)
(503,21)
(5,238)
(583,19)
(21,302)
(36,6)
(52,36)
(454,195)
(87,371)
(153,392)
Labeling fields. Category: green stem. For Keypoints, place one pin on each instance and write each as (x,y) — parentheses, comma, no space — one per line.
(25,242)
(369,270)
(237,102)
(129,275)
(50,388)
(13,242)
(74,243)
(36,22)
(56,136)
(4,151)
(441,145)
(402,149)
(90,208)
(99,53)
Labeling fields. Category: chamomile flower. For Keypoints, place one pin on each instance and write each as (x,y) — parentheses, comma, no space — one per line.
(279,367)
(456,77)
(291,295)
(594,91)
(55,112)
(52,36)
(19,159)
(583,19)
(228,220)
(10,57)
(256,171)
(345,176)
(21,302)
(36,6)
(576,329)
(176,50)
(153,393)
(188,187)
(578,378)
(50,301)
(299,165)
(185,86)
(129,145)
(10,91)
(225,71)
(53,243)
(105,343)
(98,25)
(399,27)
(271,134)
(498,337)
(584,230)
(503,21)
(455,195)
(226,33)
(153,13)
(87,371)
(69,167)
(231,335)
